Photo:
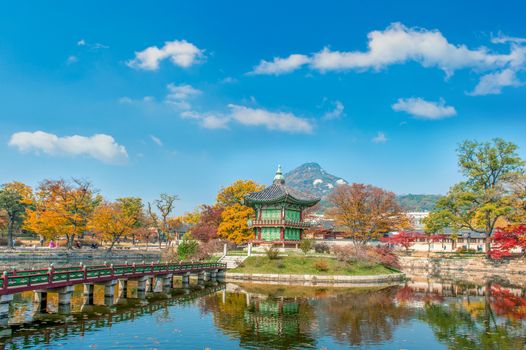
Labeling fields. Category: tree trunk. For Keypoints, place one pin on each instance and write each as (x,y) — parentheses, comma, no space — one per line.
(10,229)
(159,238)
(71,239)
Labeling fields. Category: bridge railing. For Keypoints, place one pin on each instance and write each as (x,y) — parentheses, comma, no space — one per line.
(48,277)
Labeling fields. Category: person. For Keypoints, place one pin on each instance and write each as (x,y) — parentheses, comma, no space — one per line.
(52,244)
(41,240)
(77,245)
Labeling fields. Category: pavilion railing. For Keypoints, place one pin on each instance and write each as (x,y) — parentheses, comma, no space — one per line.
(278,222)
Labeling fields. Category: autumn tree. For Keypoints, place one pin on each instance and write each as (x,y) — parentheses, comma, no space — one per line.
(14,201)
(164,205)
(134,208)
(208,224)
(235,215)
(112,222)
(62,208)
(485,195)
(507,239)
(365,212)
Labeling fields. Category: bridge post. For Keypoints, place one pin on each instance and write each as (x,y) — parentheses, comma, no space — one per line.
(141,284)
(220,274)
(88,293)
(64,299)
(186,279)
(4,309)
(109,292)
(123,288)
(168,281)
(149,286)
(40,299)
(200,277)
(213,274)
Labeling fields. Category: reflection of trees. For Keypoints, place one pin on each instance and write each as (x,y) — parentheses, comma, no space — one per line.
(475,324)
(363,318)
(271,323)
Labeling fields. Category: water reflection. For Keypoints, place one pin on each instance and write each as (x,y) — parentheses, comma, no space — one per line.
(422,313)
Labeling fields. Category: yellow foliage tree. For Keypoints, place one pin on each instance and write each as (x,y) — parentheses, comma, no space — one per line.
(234,224)
(234,218)
(111,222)
(235,193)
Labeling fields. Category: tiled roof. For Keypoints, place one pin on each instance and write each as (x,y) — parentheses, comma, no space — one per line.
(278,192)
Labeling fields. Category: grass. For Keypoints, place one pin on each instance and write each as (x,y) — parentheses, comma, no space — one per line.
(295,265)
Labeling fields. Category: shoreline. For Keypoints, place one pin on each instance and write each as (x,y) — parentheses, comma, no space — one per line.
(334,279)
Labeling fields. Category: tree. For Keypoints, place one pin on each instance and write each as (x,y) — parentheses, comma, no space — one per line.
(403,239)
(484,197)
(234,224)
(236,192)
(208,224)
(507,239)
(187,248)
(63,208)
(112,222)
(14,207)
(134,209)
(165,205)
(235,215)
(365,212)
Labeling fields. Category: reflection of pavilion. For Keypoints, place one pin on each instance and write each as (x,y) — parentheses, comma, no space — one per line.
(274,317)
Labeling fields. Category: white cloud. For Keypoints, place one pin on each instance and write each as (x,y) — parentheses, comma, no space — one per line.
(156,140)
(399,44)
(94,46)
(492,84)
(281,121)
(336,113)
(379,138)
(99,146)
(180,52)
(72,59)
(247,116)
(280,65)
(421,108)
(81,42)
(129,100)
(178,95)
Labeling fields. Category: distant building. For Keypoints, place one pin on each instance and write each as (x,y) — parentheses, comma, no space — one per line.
(417,219)
(279,212)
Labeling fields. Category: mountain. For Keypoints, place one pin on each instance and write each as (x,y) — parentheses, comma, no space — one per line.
(418,202)
(311,178)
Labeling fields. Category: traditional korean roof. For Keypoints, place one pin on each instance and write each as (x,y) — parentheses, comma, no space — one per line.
(279,192)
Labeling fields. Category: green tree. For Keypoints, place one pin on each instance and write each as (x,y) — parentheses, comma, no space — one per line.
(12,203)
(484,197)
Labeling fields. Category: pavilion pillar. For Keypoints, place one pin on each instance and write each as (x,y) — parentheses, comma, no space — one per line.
(88,293)
(5,300)
(282,234)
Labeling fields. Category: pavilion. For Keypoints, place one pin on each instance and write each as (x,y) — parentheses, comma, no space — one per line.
(279,212)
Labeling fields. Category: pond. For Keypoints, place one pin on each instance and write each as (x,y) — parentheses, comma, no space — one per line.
(422,313)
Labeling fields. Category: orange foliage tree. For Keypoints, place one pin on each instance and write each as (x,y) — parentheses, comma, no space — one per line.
(62,209)
(365,212)
(111,222)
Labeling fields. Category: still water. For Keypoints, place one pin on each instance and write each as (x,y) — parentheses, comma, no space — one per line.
(420,314)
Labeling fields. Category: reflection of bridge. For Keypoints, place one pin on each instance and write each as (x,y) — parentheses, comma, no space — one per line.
(62,280)
(82,323)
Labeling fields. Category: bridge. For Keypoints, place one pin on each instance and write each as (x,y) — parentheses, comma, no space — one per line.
(62,281)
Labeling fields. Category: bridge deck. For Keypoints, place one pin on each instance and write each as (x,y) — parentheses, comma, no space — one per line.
(21,281)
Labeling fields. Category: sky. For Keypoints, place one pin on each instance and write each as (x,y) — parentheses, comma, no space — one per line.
(144,97)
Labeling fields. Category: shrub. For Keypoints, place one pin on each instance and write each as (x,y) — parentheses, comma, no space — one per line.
(272,253)
(280,264)
(367,255)
(187,248)
(322,248)
(386,256)
(321,265)
(306,245)
(465,250)
(207,249)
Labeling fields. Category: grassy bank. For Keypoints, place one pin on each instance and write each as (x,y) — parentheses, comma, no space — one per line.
(298,265)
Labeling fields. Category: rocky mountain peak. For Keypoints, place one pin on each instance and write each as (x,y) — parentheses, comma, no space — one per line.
(313,179)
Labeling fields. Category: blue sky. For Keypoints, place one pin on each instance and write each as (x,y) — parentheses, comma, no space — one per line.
(186,97)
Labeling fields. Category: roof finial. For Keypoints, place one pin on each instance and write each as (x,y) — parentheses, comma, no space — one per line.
(279,176)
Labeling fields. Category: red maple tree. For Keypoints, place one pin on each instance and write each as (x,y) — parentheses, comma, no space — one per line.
(506,239)
(404,239)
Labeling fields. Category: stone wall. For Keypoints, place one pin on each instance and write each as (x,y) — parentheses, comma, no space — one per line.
(232,276)
(468,264)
